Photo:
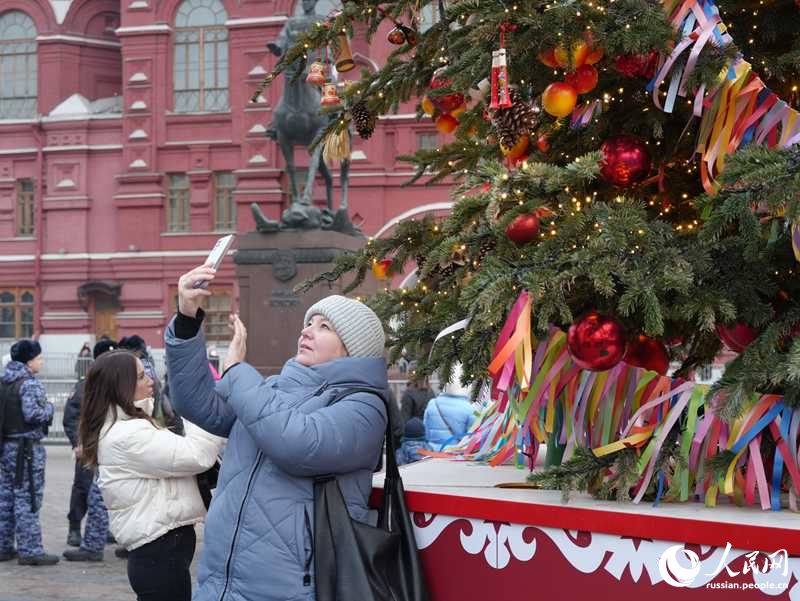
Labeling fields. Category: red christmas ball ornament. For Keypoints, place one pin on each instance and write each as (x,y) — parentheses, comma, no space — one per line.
(447,102)
(523,229)
(583,79)
(396,36)
(626,160)
(542,143)
(596,342)
(648,353)
(637,65)
(736,337)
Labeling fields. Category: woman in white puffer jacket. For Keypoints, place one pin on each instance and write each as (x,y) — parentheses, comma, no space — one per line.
(146,474)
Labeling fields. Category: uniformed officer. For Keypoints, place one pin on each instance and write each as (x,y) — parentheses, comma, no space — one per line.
(25,417)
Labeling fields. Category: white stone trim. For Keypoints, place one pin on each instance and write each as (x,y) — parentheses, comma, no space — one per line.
(80,39)
(138,164)
(60,9)
(65,315)
(65,183)
(110,256)
(258,128)
(190,142)
(87,117)
(143,195)
(256,20)
(16,258)
(139,134)
(140,315)
(19,151)
(139,105)
(138,77)
(397,117)
(155,28)
(257,70)
(82,147)
(138,5)
(257,159)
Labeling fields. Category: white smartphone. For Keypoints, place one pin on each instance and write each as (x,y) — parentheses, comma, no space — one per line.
(215,257)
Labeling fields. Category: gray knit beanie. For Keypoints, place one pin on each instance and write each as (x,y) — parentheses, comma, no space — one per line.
(355,323)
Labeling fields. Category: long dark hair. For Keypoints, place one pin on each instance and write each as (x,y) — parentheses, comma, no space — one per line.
(110,384)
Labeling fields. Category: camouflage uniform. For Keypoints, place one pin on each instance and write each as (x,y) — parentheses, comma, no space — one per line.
(96,531)
(22,490)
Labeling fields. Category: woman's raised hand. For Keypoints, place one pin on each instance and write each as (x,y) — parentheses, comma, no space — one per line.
(238,347)
(189,296)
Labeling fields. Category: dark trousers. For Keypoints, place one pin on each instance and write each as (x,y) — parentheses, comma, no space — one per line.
(159,571)
(78,499)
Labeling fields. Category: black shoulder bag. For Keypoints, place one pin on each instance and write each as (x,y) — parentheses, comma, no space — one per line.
(354,560)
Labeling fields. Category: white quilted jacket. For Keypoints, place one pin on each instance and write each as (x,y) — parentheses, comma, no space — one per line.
(146,475)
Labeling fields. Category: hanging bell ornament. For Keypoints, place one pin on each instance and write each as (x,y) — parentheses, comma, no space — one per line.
(344,58)
(316,74)
(500,94)
(329,96)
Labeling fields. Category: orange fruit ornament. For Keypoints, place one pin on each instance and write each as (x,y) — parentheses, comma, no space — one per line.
(548,57)
(516,151)
(380,268)
(427,106)
(584,79)
(559,98)
(579,49)
(446,123)
(458,110)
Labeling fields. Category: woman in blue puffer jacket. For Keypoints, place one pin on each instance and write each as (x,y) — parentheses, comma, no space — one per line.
(281,433)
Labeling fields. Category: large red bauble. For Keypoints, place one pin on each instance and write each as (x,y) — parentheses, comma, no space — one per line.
(626,160)
(448,102)
(583,79)
(523,229)
(596,342)
(648,353)
(736,337)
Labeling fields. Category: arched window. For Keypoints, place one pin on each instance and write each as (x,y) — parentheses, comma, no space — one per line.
(17,66)
(200,72)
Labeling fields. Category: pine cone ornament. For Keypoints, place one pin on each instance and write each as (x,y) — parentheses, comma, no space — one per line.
(363,119)
(487,246)
(518,120)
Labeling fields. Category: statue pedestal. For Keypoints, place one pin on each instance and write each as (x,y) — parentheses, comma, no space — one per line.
(268,267)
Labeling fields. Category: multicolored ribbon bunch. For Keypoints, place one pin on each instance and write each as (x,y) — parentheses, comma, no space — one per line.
(738,109)
(539,395)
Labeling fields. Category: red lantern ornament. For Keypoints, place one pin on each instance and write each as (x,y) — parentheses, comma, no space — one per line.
(648,353)
(584,79)
(500,95)
(380,268)
(626,160)
(523,229)
(447,102)
(736,337)
(596,342)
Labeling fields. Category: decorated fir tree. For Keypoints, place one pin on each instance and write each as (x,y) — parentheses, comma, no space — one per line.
(626,188)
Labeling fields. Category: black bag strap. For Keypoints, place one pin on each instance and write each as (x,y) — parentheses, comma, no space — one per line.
(391,461)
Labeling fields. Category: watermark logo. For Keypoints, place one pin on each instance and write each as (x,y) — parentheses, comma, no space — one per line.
(668,566)
(678,575)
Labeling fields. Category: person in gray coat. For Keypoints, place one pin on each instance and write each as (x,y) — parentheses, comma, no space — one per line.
(281,434)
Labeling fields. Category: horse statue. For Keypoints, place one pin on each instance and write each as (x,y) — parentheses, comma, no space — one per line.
(297,121)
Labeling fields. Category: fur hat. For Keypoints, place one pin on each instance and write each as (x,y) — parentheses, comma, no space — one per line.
(24,350)
(103,345)
(355,323)
(415,428)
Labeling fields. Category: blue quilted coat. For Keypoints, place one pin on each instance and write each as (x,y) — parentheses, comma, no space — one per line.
(258,534)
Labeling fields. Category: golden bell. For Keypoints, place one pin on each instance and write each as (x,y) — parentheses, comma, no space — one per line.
(329,96)
(344,58)
(316,74)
